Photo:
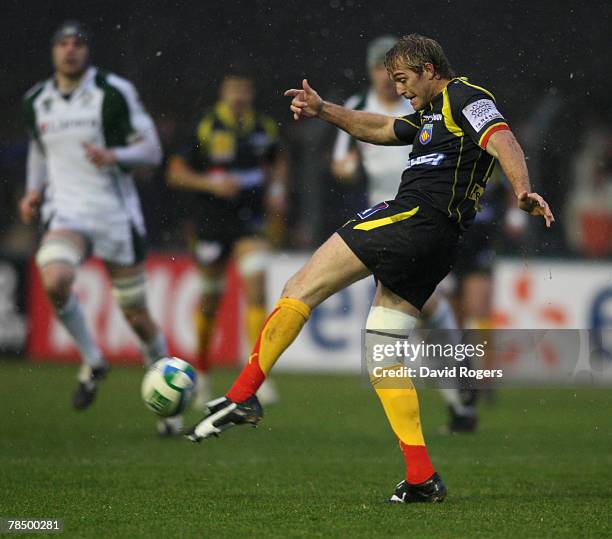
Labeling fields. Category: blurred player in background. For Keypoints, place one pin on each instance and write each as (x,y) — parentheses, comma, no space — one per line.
(409,244)
(88,129)
(233,165)
(383,166)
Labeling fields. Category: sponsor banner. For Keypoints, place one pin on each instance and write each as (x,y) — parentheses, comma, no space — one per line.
(480,113)
(173,296)
(554,295)
(13,322)
(535,294)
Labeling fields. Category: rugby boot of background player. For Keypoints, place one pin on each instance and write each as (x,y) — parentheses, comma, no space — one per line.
(89,380)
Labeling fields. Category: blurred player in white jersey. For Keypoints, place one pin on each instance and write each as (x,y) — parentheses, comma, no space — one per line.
(382,166)
(88,131)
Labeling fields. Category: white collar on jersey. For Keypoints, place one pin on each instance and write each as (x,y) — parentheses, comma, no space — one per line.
(86,81)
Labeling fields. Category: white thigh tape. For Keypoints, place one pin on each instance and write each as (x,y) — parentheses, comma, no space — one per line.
(58,250)
(130,292)
(382,318)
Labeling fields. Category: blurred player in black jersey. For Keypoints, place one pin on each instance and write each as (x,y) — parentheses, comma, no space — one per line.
(409,244)
(233,165)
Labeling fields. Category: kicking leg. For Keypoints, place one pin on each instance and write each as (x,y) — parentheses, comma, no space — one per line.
(332,267)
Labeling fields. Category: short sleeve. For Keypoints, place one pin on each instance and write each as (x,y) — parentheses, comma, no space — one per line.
(480,118)
(407,127)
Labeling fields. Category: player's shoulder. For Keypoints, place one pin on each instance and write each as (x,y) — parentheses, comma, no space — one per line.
(461,89)
(209,115)
(112,81)
(35,91)
(205,123)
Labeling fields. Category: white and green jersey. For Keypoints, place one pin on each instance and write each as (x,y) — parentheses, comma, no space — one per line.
(104,111)
(383,165)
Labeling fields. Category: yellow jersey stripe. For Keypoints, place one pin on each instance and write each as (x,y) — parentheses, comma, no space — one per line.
(409,122)
(450,203)
(449,122)
(467,191)
(464,81)
(377,223)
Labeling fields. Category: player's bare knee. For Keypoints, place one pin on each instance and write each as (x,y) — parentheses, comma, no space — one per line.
(57,280)
(309,290)
(57,259)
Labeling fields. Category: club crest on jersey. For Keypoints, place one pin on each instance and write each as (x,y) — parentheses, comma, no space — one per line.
(366,213)
(426,134)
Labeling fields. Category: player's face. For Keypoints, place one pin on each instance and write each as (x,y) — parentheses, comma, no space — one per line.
(418,88)
(238,93)
(70,56)
(381,82)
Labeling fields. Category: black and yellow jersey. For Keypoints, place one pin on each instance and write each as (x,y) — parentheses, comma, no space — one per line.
(243,147)
(449,167)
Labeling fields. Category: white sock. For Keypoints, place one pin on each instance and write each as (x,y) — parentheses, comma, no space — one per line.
(72,317)
(154,350)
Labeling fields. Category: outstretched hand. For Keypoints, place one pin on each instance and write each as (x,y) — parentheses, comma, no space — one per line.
(306,102)
(534,204)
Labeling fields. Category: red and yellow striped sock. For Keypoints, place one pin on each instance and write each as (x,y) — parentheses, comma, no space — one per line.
(401,406)
(278,332)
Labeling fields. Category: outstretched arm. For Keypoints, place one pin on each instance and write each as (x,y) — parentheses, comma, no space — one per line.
(503,146)
(365,126)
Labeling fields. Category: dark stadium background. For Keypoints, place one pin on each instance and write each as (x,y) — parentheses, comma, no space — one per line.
(324,460)
(176,53)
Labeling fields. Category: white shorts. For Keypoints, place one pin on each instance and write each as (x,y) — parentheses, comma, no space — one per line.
(116,242)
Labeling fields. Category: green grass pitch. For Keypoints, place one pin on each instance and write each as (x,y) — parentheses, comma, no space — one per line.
(320,464)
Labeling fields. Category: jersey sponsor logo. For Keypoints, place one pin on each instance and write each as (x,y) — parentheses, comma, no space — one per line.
(480,113)
(426,134)
(370,211)
(62,125)
(432,117)
(433,159)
